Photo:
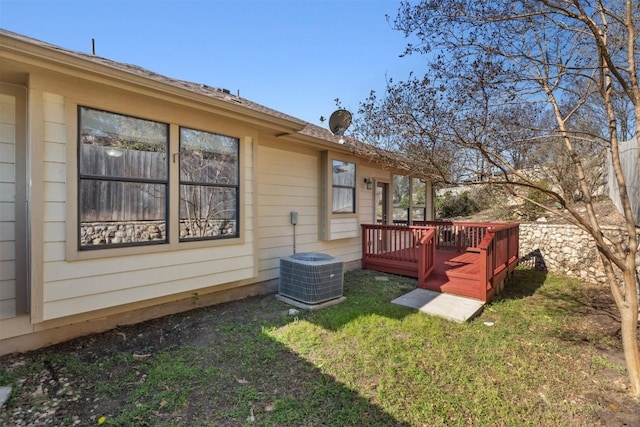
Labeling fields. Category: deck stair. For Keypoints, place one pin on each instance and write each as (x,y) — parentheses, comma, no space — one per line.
(466,259)
(456,273)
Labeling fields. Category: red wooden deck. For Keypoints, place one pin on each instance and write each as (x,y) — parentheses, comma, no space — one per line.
(475,264)
(456,273)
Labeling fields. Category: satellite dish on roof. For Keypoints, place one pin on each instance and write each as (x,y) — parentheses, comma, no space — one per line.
(339,122)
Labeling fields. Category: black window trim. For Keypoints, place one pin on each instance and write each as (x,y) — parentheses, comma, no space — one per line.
(353,188)
(80,177)
(206,184)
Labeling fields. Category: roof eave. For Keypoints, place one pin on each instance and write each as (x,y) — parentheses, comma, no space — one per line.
(47,56)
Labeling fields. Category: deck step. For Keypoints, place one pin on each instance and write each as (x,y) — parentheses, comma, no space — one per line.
(454,285)
(452,274)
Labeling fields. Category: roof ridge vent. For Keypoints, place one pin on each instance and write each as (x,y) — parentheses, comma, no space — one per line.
(215,89)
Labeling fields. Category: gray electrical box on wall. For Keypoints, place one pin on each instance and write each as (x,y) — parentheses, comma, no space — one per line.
(294,218)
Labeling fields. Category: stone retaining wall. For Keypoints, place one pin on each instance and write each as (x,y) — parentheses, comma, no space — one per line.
(101,233)
(564,249)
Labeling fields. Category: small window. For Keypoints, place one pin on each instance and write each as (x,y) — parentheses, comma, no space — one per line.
(400,199)
(209,191)
(123,180)
(418,197)
(344,187)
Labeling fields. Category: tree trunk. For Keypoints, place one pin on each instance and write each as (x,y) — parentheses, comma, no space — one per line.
(629,329)
(627,302)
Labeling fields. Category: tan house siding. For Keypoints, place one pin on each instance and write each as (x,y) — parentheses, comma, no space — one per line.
(344,228)
(366,213)
(72,287)
(288,181)
(54,174)
(291,180)
(7,206)
(285,166)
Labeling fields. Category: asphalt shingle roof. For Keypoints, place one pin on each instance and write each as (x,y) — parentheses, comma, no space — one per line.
(307,129)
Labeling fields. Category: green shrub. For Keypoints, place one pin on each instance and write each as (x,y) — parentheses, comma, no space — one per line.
(531,211)
(452,206)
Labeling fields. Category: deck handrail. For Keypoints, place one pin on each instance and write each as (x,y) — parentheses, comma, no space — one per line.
(427,255)
(399,244)
(459,235)
(498,250)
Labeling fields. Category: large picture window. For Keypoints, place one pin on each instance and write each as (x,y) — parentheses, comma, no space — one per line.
(344,187)
(123,180)
(209,193)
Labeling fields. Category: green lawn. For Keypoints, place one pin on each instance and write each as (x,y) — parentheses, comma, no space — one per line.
(542,354)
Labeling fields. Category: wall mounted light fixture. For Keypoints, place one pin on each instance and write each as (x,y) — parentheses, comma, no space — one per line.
(369,183)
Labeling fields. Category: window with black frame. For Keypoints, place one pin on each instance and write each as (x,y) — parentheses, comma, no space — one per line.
(122,180)
(344,186)
(209,190)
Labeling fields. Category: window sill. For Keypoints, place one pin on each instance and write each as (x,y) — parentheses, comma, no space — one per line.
(89,254)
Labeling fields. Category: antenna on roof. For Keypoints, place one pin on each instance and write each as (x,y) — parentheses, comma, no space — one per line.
(339,121)
(93,46)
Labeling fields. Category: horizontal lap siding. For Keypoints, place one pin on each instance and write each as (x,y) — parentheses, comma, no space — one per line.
(366,213)
(55,158)
(7,206)
(170,280)
(344,228)
(289,181)
(85,285)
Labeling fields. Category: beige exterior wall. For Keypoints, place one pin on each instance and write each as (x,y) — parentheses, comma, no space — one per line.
(7,206)
(75,292)
(73,286)
(69,286)
(290,180)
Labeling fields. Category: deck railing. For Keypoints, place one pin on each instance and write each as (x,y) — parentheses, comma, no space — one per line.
(399,249)
(459,236)
(410,250)
(498,256)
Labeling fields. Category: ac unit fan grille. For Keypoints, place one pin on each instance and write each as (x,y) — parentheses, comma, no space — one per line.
(311,278)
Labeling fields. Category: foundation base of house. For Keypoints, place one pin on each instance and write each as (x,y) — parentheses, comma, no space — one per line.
(36,336)
(46,337)
(310,307)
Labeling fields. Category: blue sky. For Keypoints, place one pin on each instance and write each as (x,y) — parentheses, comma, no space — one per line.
(293,56)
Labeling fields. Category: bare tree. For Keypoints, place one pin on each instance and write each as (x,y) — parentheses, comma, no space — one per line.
(496,72)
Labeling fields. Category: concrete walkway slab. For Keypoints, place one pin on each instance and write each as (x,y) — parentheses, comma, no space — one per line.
(5,392)
(451,307)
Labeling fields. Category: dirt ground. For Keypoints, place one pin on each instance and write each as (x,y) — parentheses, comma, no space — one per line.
(66,396)
(605,210)
(76,398)
(600,317)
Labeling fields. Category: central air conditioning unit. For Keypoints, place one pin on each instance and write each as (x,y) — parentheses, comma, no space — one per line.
(311,277)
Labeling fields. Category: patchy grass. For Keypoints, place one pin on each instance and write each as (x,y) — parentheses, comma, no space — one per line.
(551,357)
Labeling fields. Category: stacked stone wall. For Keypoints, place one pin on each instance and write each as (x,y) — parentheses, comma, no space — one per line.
(101,233)
(564,249)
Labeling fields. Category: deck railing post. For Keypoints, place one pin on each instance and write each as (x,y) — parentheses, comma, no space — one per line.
(421,264)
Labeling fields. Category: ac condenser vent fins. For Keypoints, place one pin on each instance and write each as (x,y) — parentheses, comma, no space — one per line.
(311,277)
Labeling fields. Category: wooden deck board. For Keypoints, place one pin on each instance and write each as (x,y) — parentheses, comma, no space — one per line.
(453,264)
(454,273)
